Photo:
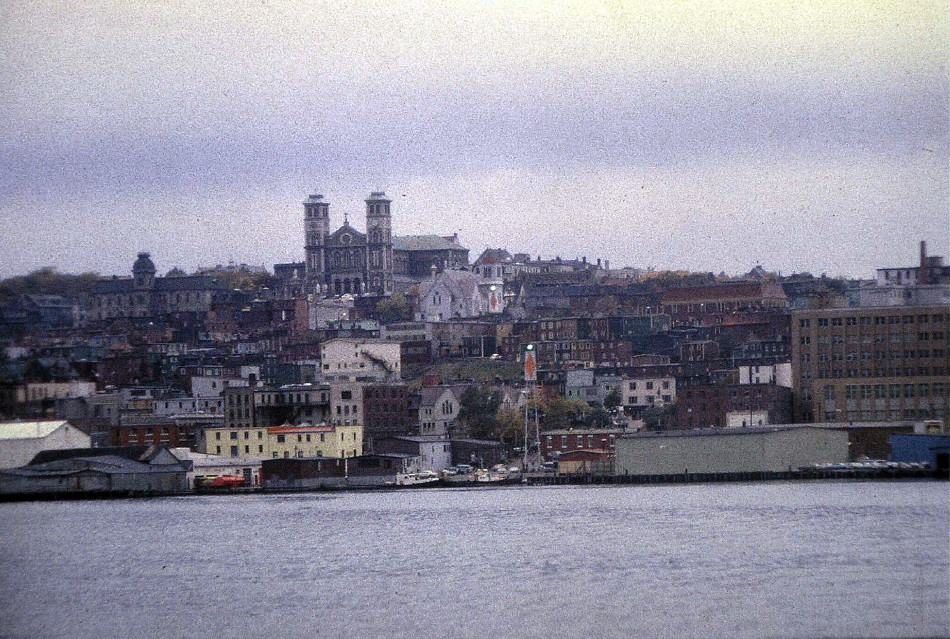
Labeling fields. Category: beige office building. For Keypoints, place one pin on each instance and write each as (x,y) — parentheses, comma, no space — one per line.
(871,364)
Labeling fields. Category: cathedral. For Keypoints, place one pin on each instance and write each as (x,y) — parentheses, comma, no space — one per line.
(348,261)
(374,263)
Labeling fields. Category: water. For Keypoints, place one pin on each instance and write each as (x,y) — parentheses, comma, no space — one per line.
(809,559)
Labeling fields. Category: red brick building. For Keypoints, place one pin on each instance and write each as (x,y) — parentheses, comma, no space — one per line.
(562,441)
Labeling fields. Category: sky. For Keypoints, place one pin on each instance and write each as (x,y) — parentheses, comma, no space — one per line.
(707,135)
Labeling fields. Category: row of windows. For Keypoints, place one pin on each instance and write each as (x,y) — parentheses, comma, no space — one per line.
(883,391)
(649,385)
(234,434)
(878,355)
(893,371)
(878,320)
(881,415)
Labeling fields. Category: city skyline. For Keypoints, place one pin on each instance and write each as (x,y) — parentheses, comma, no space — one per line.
(706,137)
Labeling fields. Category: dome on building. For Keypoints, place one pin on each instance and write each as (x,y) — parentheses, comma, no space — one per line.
(143,265)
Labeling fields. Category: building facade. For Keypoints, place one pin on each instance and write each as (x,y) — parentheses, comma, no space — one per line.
(871,364)
(348,261)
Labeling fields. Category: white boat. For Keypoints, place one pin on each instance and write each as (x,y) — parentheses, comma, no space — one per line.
(417,479)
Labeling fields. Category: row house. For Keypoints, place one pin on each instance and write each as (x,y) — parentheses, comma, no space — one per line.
(386,412)
(691,304)
(555,442)
(733,405)
(182,431)
(644,392)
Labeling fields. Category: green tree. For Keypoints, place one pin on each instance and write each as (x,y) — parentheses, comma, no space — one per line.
(393,309)
(598,418)
(478,412)
(612,399)
(561,412)
(46,281)
(659,417)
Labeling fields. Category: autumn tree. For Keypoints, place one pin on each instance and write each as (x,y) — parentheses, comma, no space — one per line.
(478,409)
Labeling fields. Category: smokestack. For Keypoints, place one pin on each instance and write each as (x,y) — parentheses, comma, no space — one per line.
(922,271)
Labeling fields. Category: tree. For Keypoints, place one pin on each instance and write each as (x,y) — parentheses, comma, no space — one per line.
(393,309)
(658,417)
(612,399)
(561,412)
(598,418)
(510,426)
(478,410)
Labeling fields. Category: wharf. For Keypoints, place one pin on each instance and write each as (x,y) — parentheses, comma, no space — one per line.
(552,479)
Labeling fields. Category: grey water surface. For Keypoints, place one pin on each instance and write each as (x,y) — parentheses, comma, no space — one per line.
(790,559)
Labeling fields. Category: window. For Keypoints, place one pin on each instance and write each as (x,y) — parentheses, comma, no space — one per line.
(280,439)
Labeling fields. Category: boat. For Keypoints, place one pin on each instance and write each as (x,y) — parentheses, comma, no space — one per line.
(420,478)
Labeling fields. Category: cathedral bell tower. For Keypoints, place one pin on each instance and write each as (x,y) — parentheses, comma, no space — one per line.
(316,230)
(379,245)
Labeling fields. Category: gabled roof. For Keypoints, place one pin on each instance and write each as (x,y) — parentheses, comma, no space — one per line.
(493,256)
(358,237)
(30,430)
(429,395)
(134,453)
(461,283)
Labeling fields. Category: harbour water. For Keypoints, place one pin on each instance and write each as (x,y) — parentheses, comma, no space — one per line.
(778,559)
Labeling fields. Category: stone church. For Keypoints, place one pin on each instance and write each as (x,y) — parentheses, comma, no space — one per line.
(349,261)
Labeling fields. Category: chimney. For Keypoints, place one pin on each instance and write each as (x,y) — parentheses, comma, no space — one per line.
(598,262)
(922,272)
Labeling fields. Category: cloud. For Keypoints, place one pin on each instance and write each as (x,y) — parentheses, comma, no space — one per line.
(127,121)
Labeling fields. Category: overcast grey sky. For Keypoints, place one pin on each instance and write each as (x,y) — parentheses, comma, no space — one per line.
(697,135)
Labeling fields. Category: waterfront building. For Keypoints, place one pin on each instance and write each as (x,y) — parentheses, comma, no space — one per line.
(303,473)
(733,405)
(303,440)
(772,449)
(558,441)
(433,454)
(20,442)
(99,471)
(871,364)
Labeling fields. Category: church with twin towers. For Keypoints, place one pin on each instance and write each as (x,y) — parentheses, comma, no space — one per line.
(371,263)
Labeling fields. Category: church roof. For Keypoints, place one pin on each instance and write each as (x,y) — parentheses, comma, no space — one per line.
(426,243)
(335,237)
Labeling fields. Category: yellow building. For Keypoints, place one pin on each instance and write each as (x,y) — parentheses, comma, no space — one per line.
(315,441)
(234,442)
(323,440)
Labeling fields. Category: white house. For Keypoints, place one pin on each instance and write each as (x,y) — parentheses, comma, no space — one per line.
(360,360)
(458,294)
(438,409)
